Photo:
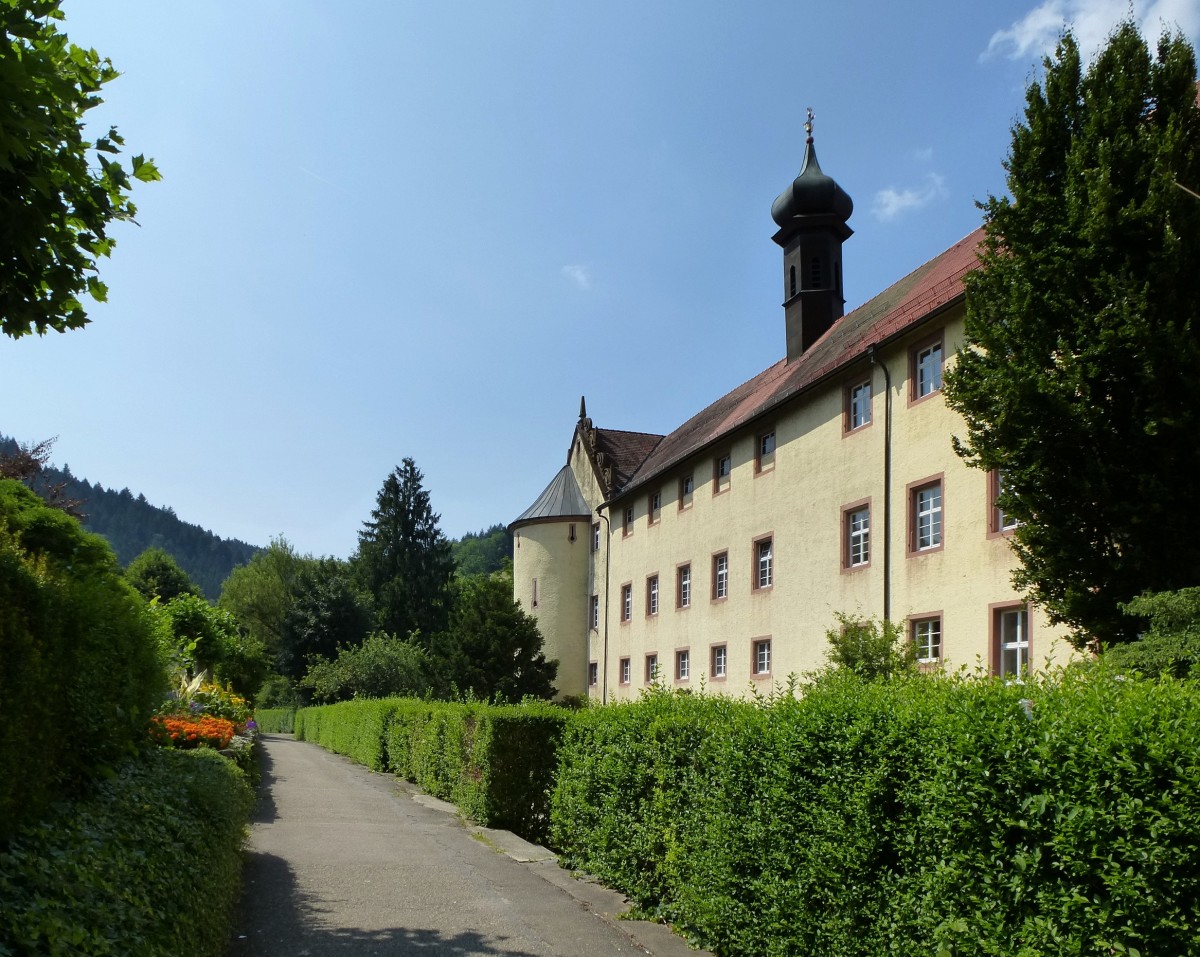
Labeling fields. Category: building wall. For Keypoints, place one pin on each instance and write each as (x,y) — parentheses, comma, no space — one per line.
(799,501)
(546,553)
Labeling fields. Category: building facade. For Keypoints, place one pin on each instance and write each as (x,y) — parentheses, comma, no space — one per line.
(720,555)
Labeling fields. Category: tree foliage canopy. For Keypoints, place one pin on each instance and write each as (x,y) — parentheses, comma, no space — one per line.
(155,574)
(1078,380)
(58,191)
(492,648)
(404,560)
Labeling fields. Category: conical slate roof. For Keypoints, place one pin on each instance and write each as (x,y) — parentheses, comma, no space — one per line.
(561,499)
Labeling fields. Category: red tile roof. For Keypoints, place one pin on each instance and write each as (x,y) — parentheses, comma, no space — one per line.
(625,452)
(898,308)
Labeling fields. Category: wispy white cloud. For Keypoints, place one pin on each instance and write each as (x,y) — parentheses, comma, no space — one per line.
(1091,21)
(578,275)
(891,202)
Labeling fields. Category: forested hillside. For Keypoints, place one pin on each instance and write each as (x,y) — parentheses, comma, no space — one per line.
(131,525)
(481,553)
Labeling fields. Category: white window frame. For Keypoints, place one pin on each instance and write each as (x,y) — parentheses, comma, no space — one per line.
(927,369)
(683,664)
(651,667)
(652,595)
(762,656)
(927,517)
(685,586)
(721,575)
(858,536)
(720,661)
(927,639)
(858,402)
(1012,641)
(627,602)
(764,563)
(626,671)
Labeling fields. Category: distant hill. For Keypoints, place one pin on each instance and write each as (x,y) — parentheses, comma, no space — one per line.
(131,525)
(481,553)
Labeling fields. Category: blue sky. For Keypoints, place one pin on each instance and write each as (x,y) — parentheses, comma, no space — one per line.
(426,229)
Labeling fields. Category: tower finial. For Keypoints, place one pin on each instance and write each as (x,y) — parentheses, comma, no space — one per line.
(808,125)
(582,407)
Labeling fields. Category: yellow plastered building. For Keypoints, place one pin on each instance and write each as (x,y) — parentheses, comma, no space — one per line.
(718,556)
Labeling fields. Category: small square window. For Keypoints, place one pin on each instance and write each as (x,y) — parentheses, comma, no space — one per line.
(722,470)
(764,563)
(651,668)
(926,635)
(857,537)
(720,661)
(766,451)
(626,670)
(762,656)
(720,582)
(595,536)
(683,665)
(925,370)
(627,526)
(683,591)
(652,595)
(655,507)
(626,603)
(595,612)
(858,405)
(687,485)
(593,673)
(925,507)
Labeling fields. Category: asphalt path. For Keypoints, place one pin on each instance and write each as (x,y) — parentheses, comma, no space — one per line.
(344,861)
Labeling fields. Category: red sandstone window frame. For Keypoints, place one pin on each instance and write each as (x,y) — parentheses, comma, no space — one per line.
(849,533)
(913,492)
(936,340)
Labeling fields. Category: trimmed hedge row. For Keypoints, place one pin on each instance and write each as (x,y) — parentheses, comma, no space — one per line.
(495,762)
(147,866)
(911,817)
(80,671)
(275,720)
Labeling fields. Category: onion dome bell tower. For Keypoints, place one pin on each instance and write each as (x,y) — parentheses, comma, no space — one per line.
(811,215)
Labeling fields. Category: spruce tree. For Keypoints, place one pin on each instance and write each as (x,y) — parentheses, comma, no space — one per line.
(1078,381)
(404,560)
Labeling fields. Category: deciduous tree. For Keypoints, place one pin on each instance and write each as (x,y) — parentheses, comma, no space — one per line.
(1078,382)
(59,192)
(156,574)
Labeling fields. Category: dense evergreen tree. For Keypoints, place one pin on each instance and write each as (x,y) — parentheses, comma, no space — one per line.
(481,553)
(1078,382)
(156,574)
(404,560)
(492,648)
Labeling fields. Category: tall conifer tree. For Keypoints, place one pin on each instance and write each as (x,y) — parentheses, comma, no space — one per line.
(1080,375)
(404,560)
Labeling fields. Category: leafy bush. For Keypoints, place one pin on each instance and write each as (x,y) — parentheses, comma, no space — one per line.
(148,866)
(275,720)
(80,670)
(914,816)
(870,648)
(380,667)
(1171,646)
(495,762)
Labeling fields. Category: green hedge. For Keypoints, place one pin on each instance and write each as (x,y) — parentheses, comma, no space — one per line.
(80,671)
(275,720)
(920,816)
(495,762)
(147,866)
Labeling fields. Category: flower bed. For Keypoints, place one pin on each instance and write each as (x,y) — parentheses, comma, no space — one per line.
(202,732)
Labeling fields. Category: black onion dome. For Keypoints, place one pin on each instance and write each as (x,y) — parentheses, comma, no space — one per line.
(812,193)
